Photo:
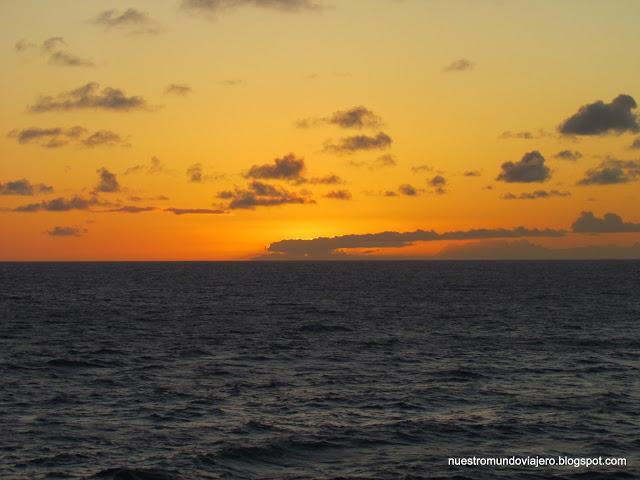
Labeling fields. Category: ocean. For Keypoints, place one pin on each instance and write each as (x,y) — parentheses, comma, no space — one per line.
(354,370)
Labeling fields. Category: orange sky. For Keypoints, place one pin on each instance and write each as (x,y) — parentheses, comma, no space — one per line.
(414,107)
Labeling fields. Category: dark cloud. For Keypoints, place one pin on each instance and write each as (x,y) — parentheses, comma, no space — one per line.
(212,8)
(326,180)
(178,89)
(131,209)
(132,20)
(89,96)
(611,172)
(356,117)
(59,205)
(194,211)
(258,194)
(460,65)
(339,195)
(407,190)
(529,169)
(599,118)
(327,248)
(472,173)
(568,155)
(23,187)
(536,195)
(59,137)
(609,223)
(289,167)
(154,167)
(66,232)
(438,182)
(107,182)
(358,143)
(421,168)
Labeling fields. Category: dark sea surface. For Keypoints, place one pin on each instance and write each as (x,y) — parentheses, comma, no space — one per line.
(189,371)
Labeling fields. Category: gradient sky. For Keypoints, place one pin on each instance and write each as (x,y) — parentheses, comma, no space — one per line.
(459,87)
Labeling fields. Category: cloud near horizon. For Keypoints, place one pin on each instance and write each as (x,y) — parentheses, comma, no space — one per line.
(259,194)
(609,223)
(612,172)
(66,232)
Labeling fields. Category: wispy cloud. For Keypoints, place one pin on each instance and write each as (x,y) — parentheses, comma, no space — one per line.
(89,97)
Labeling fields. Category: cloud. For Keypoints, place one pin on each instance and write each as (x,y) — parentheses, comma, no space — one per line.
(609,223)
(23,187)
(383,161)
(438,182)
(195,174)
(407,190)
(355,117)
(178,89)
(460,65)
(107,182)
(131,209)
(568,155)
(339,195)
(57,137)
(636,143)
(89,96)
(289,167)
(59,205)
(66,232)
(524,135)
(536,195)
(529,169)
(326,248)
(212,8)
(154,167)
(421,168)
(52,48)
(194,211)
(132,20)
(472,173)
(611,172)
(326,180)
(358,143)
(258,194)
(525,250)
(600,118)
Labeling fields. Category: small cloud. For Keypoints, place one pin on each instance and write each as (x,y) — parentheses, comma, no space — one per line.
(132,20)
(339,195)
(194,211)
(289,167)
(472,173)
(538,194)
(213,8)
(154,167)
(326,180)
(131,209)
(406,190)
(529,169)
(421,168)
(460,65)
(636,144)
(612,172)
(57,137)
(232,82)
(53,48)
(568,155)
(87,97)
(524,135)
(438,182)
(357,143)
(59,205)
(356,117)
(258,194)
(66,232)
(178,89)
(23,45)
(599,118)
(107,182)
(195,174)
(23,187)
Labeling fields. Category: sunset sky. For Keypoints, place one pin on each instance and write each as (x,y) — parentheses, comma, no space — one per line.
(214,129)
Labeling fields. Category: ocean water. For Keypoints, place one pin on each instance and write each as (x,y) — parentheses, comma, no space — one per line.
(189,371)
